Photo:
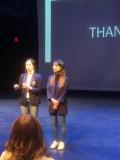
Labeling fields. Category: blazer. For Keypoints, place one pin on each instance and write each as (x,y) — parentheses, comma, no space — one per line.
(35,83)
(58,93)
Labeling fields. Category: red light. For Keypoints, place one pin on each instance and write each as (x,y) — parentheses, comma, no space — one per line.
(16,40)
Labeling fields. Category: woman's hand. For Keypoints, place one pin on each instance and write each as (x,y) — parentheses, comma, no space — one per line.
(25,86)
(55,103)
(16,86)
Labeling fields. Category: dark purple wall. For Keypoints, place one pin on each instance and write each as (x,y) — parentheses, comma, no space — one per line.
(92,60)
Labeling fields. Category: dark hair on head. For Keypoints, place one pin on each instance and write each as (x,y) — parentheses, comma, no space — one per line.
(60,63)
(33,62)
(61,73)
(26,139)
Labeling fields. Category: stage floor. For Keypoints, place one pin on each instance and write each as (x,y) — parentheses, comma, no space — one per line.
(93,127)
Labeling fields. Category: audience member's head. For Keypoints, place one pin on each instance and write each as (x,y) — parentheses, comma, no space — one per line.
(26,139)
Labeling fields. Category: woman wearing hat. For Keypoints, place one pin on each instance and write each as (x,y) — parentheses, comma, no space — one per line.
(57,102)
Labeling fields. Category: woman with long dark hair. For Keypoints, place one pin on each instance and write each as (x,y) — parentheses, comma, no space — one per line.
(57,101)
(25,141)
(29,87)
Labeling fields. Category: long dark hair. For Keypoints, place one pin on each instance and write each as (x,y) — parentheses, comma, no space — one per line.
(62,74)
(26,139)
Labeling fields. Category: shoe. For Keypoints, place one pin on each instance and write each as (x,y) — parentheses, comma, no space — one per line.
(54,145)
(61,145)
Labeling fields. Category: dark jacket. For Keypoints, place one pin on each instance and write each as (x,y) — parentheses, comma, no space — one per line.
(35,83)
(58,93)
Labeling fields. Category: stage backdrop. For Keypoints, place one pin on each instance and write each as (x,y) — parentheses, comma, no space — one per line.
(85,34)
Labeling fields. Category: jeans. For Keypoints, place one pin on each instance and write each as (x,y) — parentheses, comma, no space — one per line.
(33,110)
(62,120)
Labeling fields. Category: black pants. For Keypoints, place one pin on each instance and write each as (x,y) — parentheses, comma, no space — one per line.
(56,119)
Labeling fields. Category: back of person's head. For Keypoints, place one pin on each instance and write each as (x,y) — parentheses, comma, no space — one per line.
(26,138)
